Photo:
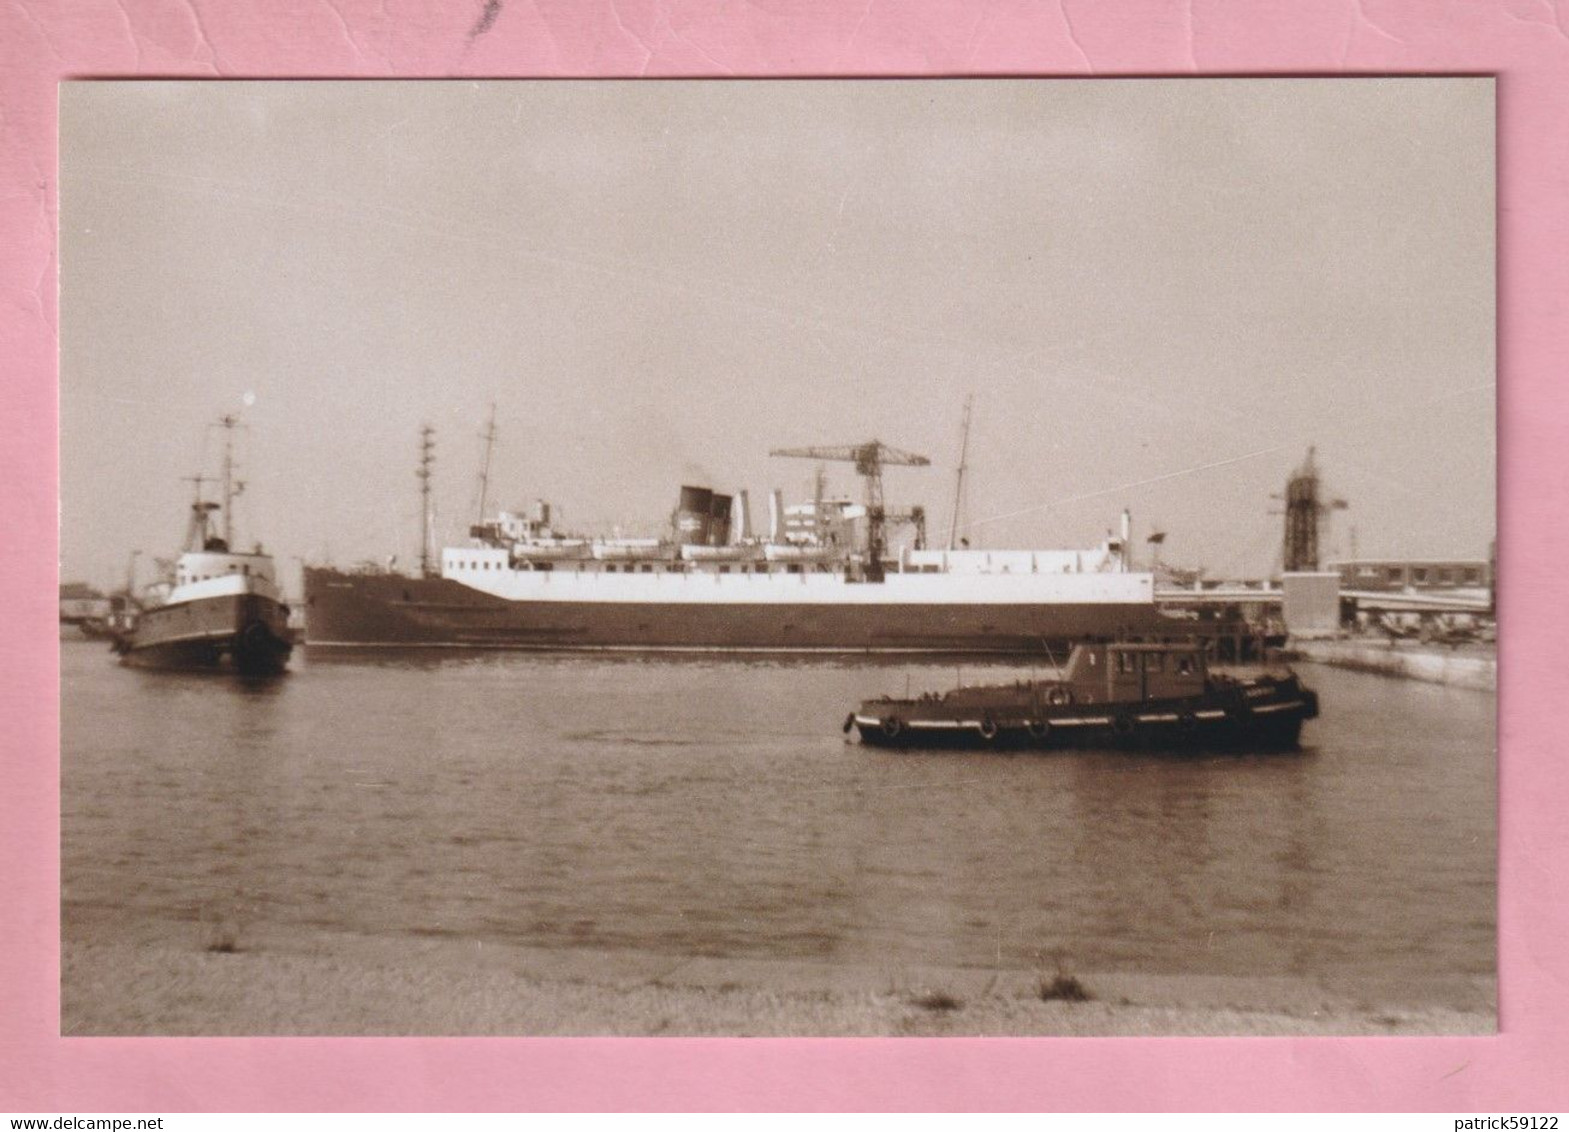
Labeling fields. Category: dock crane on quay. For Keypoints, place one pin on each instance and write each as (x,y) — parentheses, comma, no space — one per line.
(870,459)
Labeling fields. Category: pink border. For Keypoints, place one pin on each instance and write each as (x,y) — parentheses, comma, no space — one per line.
(1524,42)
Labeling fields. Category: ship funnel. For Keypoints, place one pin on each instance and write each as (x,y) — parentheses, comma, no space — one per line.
(1127,535)
(694,516)
(775,515)
(741,527)
(720,514)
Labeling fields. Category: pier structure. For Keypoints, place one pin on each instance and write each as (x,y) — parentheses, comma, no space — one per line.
(1312,599)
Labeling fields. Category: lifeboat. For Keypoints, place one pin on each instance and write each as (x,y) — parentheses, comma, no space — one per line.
(794,552)
(694,552)
(564,551)
(633,550)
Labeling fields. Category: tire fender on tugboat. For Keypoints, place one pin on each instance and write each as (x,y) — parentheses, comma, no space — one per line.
(891,726)
(988,728)
(1038,729)
(1122,724)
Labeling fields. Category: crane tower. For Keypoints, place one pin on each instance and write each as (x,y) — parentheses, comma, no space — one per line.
(869,459)
(1304,511)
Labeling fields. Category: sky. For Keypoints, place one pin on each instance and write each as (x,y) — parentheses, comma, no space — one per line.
(1159,294)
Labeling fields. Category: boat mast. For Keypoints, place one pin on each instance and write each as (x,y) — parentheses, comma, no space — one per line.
(958,487)
(130,580)
(231,487)
(489,437)
(819,485)
(196,532)
(427,461)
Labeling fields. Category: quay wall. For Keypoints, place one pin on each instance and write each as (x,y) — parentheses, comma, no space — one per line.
(1466,667)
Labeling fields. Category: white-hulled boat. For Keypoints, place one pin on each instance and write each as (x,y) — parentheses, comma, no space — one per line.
(222,610)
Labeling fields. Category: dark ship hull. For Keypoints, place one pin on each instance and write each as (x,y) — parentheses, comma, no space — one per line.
(244,633)
(1274,726)
(1126,696)
(390,610)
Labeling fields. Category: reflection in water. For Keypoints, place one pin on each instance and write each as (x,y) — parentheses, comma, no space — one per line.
(697,806)
(1217,839)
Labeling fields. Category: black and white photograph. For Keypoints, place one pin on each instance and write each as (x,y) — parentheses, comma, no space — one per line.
(917,557)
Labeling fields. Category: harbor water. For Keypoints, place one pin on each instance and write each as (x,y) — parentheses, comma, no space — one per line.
(711,807)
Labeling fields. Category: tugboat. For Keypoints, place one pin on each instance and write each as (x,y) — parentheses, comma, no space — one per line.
(1128,696)
(223,610)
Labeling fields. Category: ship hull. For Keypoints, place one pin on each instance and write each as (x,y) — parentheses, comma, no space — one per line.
(244,633)
(346,610)
(1265,716)
(1148,730)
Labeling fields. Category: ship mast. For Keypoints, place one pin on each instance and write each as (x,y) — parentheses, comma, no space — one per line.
(130,580)
(231,487)
(958,487)
(427,461)
(489,437)
(819,485)
(196,532)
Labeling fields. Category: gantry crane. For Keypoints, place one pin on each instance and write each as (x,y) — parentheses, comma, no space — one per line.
(869,459)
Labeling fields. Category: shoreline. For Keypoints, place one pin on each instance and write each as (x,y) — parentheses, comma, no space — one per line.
(334,984)
(1469,667)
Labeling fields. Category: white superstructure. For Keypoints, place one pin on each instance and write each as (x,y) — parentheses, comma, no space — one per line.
(221,573)
(973,577)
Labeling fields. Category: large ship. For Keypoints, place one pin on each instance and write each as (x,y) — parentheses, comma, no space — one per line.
(220,609)
(822,577)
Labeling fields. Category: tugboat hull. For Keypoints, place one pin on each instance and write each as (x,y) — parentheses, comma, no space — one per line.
(1275,726)
(1128,696)
(245,633)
